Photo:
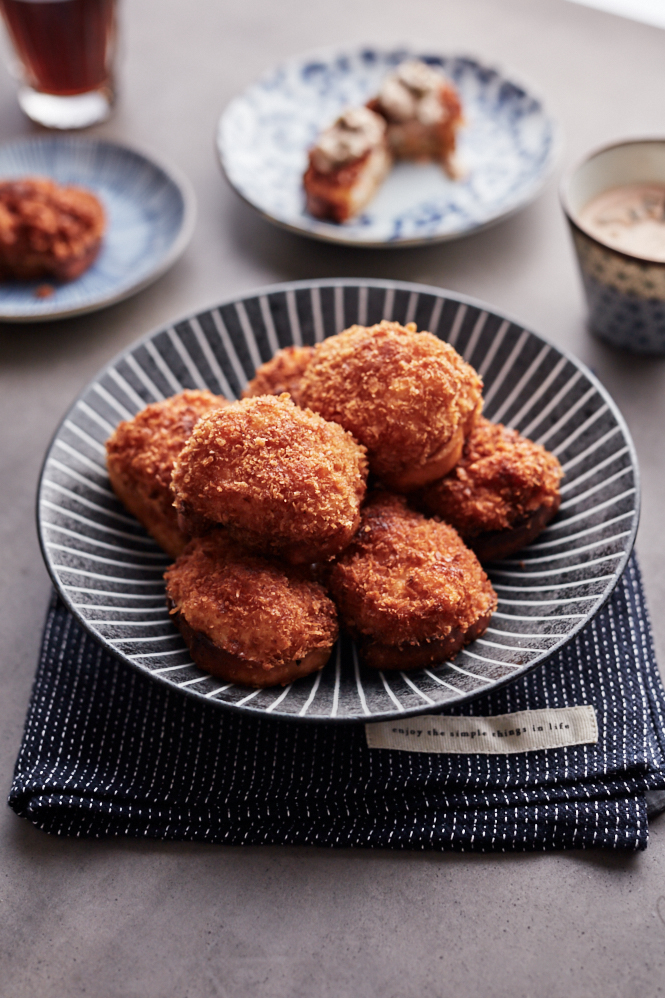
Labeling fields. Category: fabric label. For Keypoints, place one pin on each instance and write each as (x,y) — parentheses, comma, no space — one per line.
(523,731)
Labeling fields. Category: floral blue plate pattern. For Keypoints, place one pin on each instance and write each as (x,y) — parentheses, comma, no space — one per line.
(506,149)
(150,218)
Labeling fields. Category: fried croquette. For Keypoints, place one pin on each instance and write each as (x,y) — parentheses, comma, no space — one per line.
(48,230)
(140,455)
(408,589)
(283,480)
(407,396)
(501,494)
(247,618)
(281,374)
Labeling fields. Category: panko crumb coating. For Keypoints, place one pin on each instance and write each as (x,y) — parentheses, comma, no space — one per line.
(281,479)
(141,453)
(502,493)
(283,373)
(408,589)
(47,229)
(407,396)
(246,618)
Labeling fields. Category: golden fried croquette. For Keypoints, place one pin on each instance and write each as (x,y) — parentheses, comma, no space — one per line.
(502,493)
(247,618)
(48,230)
(140,455)
(407,396)
(408,589)
(282,479)
(281,374)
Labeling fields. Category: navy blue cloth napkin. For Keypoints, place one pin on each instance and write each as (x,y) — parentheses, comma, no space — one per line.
(109,752)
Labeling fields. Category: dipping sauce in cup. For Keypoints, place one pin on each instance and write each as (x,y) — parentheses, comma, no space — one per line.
(630,219)
(615,204)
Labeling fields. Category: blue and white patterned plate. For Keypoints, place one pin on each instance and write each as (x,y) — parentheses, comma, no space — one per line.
(507,148)
(110,572)
(150,212)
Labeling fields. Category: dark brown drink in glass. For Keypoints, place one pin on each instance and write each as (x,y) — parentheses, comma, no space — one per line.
(66,47)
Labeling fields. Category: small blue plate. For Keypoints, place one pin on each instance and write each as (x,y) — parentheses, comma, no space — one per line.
(150,212)
(507,148)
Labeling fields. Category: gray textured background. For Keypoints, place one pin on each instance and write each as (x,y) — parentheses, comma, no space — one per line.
(147,920)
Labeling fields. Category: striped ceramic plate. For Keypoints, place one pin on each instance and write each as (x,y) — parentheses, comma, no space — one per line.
(109,571)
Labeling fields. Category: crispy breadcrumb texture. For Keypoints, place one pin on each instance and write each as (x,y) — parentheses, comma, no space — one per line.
(283,373)
(501,479)
(252,607)
(402,394)
(141,453)
(47,229)
(282,479)
(406,580)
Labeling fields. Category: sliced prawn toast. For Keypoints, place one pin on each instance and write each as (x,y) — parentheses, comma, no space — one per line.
(423,113)
(347,165)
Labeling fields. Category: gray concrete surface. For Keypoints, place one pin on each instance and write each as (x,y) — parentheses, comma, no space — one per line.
(148,920)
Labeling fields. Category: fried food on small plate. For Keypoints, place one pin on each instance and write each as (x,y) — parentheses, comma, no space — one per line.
(246,618)
(140,455)
(423,112)
(283,480)
(347,165)
(407,396)
(501,494)
(283,373)
(408,589)
(47,230)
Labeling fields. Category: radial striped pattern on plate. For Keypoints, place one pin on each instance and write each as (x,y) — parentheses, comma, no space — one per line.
(110,572)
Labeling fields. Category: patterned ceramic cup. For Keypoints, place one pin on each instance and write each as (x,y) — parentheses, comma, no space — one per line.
(625,293)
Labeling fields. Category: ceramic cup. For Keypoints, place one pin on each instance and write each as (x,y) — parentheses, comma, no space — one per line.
(625,293)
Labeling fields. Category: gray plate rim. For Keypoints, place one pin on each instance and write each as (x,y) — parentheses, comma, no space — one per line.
(179,180)
(465,698)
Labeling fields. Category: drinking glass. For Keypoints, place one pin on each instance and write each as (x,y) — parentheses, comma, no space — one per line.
(66,49)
